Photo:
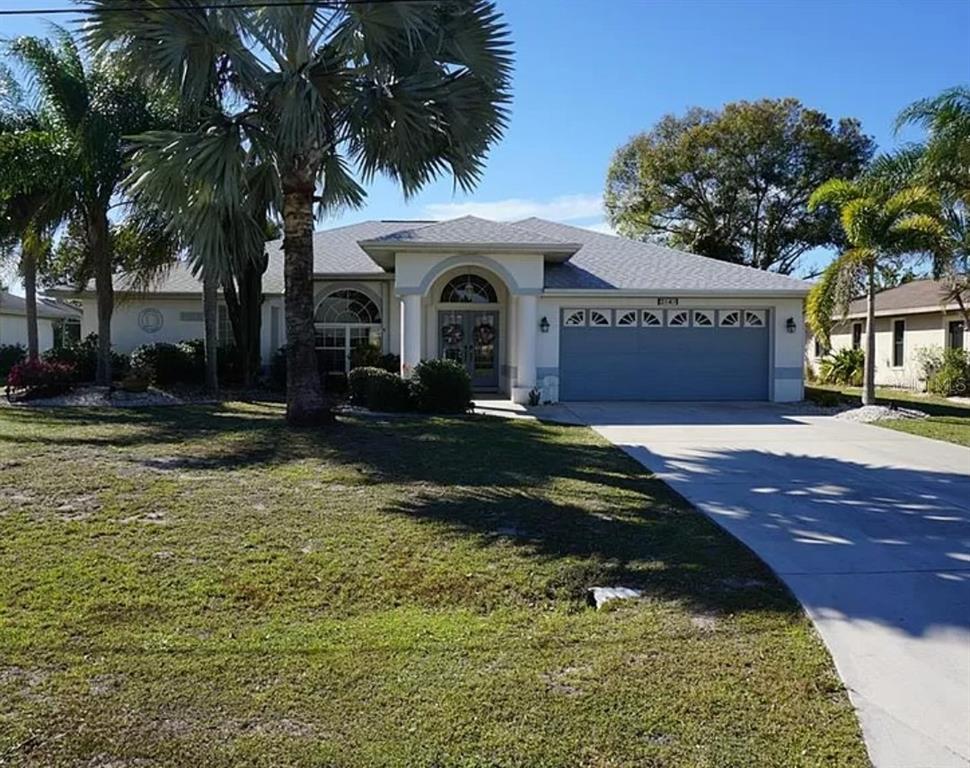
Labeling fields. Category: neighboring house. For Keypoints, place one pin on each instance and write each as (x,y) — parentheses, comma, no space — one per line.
(54,318)
(910,317)
(576,314)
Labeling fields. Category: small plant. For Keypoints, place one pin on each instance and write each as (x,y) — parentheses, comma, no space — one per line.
(535,396)
(844,367)
(441,386)
(370,356)
(10,355)
(952,377)
(83,355)
(40,378)
(357,382)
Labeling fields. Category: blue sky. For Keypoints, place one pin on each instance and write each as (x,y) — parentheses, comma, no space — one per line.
(591,73)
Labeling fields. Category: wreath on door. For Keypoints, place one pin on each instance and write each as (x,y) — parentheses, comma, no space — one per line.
(484,334)
(453,333)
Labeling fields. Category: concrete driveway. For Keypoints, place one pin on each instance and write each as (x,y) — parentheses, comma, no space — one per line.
(870,528)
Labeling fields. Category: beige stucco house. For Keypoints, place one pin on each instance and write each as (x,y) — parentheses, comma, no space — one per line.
(50,315)
(910,317)
(534,305)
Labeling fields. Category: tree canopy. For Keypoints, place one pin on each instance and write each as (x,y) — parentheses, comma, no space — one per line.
(734,184)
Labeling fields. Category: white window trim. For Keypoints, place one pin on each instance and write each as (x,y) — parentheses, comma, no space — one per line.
(621,313)
(722,313)
(607,314)
(672,313)
(761,314)
(567,314)
(658,314)
(892,344)
(708,313)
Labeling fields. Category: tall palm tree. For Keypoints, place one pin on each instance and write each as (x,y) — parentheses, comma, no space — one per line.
(313,91)
(881,224)
(87,107)
(942,161)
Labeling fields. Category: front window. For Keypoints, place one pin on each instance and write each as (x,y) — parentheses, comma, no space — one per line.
(856,335)
(343,321)
(899,336)
(469,289)
(954,334)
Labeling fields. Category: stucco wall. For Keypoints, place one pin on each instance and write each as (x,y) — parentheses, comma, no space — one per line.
(922,330)
(13,330)
(785,366)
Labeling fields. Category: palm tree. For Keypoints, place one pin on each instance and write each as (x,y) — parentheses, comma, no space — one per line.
(87,109)
(882,223)
(943,162)
(311,92)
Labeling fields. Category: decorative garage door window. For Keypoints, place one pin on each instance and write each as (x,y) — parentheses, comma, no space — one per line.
(754,318)
(600,317)
(345,320)
(626,317)
(651,318)
(730,319)
(703,318)
(575,318)
(678,318)
(469,289)
(150,320)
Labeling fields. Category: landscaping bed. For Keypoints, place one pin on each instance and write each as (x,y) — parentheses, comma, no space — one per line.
(203,586)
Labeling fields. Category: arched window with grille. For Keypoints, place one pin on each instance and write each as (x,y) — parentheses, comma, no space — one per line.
(344,320)
(469,289)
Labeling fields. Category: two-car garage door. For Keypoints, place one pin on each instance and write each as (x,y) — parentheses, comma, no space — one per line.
(663,354)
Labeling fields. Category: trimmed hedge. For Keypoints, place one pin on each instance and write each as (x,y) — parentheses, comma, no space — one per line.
(441,386)
(167,364)
(379,390)
(369,356)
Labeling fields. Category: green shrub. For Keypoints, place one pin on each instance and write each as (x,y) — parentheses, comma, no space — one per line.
(169,364)
(844,367)
(83,356)
(952,377)
(10,355)
(370,356)
(357,383)
(441,386)
(387,391)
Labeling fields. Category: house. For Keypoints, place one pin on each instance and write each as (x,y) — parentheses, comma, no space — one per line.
(910,317)
(55,320)
(576,314)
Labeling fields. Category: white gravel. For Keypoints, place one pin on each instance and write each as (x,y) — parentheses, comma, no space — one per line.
(868,413)
(101,396)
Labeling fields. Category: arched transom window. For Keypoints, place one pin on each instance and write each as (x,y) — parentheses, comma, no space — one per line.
(345,320)
(469,289)
(348,308)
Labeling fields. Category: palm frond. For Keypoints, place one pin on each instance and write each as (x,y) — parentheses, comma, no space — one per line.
(835,192)
(830,296)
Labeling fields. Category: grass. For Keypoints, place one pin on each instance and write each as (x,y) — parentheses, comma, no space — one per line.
(203,586)
(948,420)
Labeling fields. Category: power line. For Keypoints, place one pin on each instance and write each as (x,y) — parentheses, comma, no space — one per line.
(206,7)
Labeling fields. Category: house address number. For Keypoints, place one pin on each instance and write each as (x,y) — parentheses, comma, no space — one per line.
(667,302)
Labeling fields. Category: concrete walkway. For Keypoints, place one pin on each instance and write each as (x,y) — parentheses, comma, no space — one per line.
(870,528)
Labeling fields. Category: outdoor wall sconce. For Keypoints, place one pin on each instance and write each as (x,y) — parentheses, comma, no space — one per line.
(544,325)
(790,325)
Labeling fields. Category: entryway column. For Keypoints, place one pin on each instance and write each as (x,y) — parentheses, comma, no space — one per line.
(410,333)
(526,308)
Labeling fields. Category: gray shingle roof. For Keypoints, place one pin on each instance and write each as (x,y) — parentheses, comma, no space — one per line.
(609,262)
(46,308)
(918,294)
(471,230)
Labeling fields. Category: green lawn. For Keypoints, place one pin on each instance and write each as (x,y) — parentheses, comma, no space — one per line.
(948,420)
(189,587)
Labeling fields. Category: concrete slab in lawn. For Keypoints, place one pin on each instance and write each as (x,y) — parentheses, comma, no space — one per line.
(869,527)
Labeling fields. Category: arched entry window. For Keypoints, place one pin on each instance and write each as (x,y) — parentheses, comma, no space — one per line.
(344,320)
(469,289)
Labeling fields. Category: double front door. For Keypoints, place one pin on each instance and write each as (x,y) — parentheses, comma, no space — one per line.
(471,338)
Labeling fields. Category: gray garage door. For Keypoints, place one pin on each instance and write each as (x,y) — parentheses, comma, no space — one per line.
(663,354)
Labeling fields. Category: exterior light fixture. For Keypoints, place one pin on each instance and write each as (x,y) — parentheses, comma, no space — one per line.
(544,325)
(790,325)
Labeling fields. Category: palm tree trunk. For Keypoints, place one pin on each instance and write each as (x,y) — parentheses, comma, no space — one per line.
(304,399)
(210,316)
(869,369)
(28,261)
(104,288)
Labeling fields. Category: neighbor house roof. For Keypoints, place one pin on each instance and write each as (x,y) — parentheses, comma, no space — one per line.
(910,298)
(608,262)
(577,259)
(50,309)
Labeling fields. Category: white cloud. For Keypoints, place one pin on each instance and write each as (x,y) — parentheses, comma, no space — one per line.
(603,227)
(564,208)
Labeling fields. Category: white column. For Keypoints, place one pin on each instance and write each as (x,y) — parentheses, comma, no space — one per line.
(525,357)
(411,333)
